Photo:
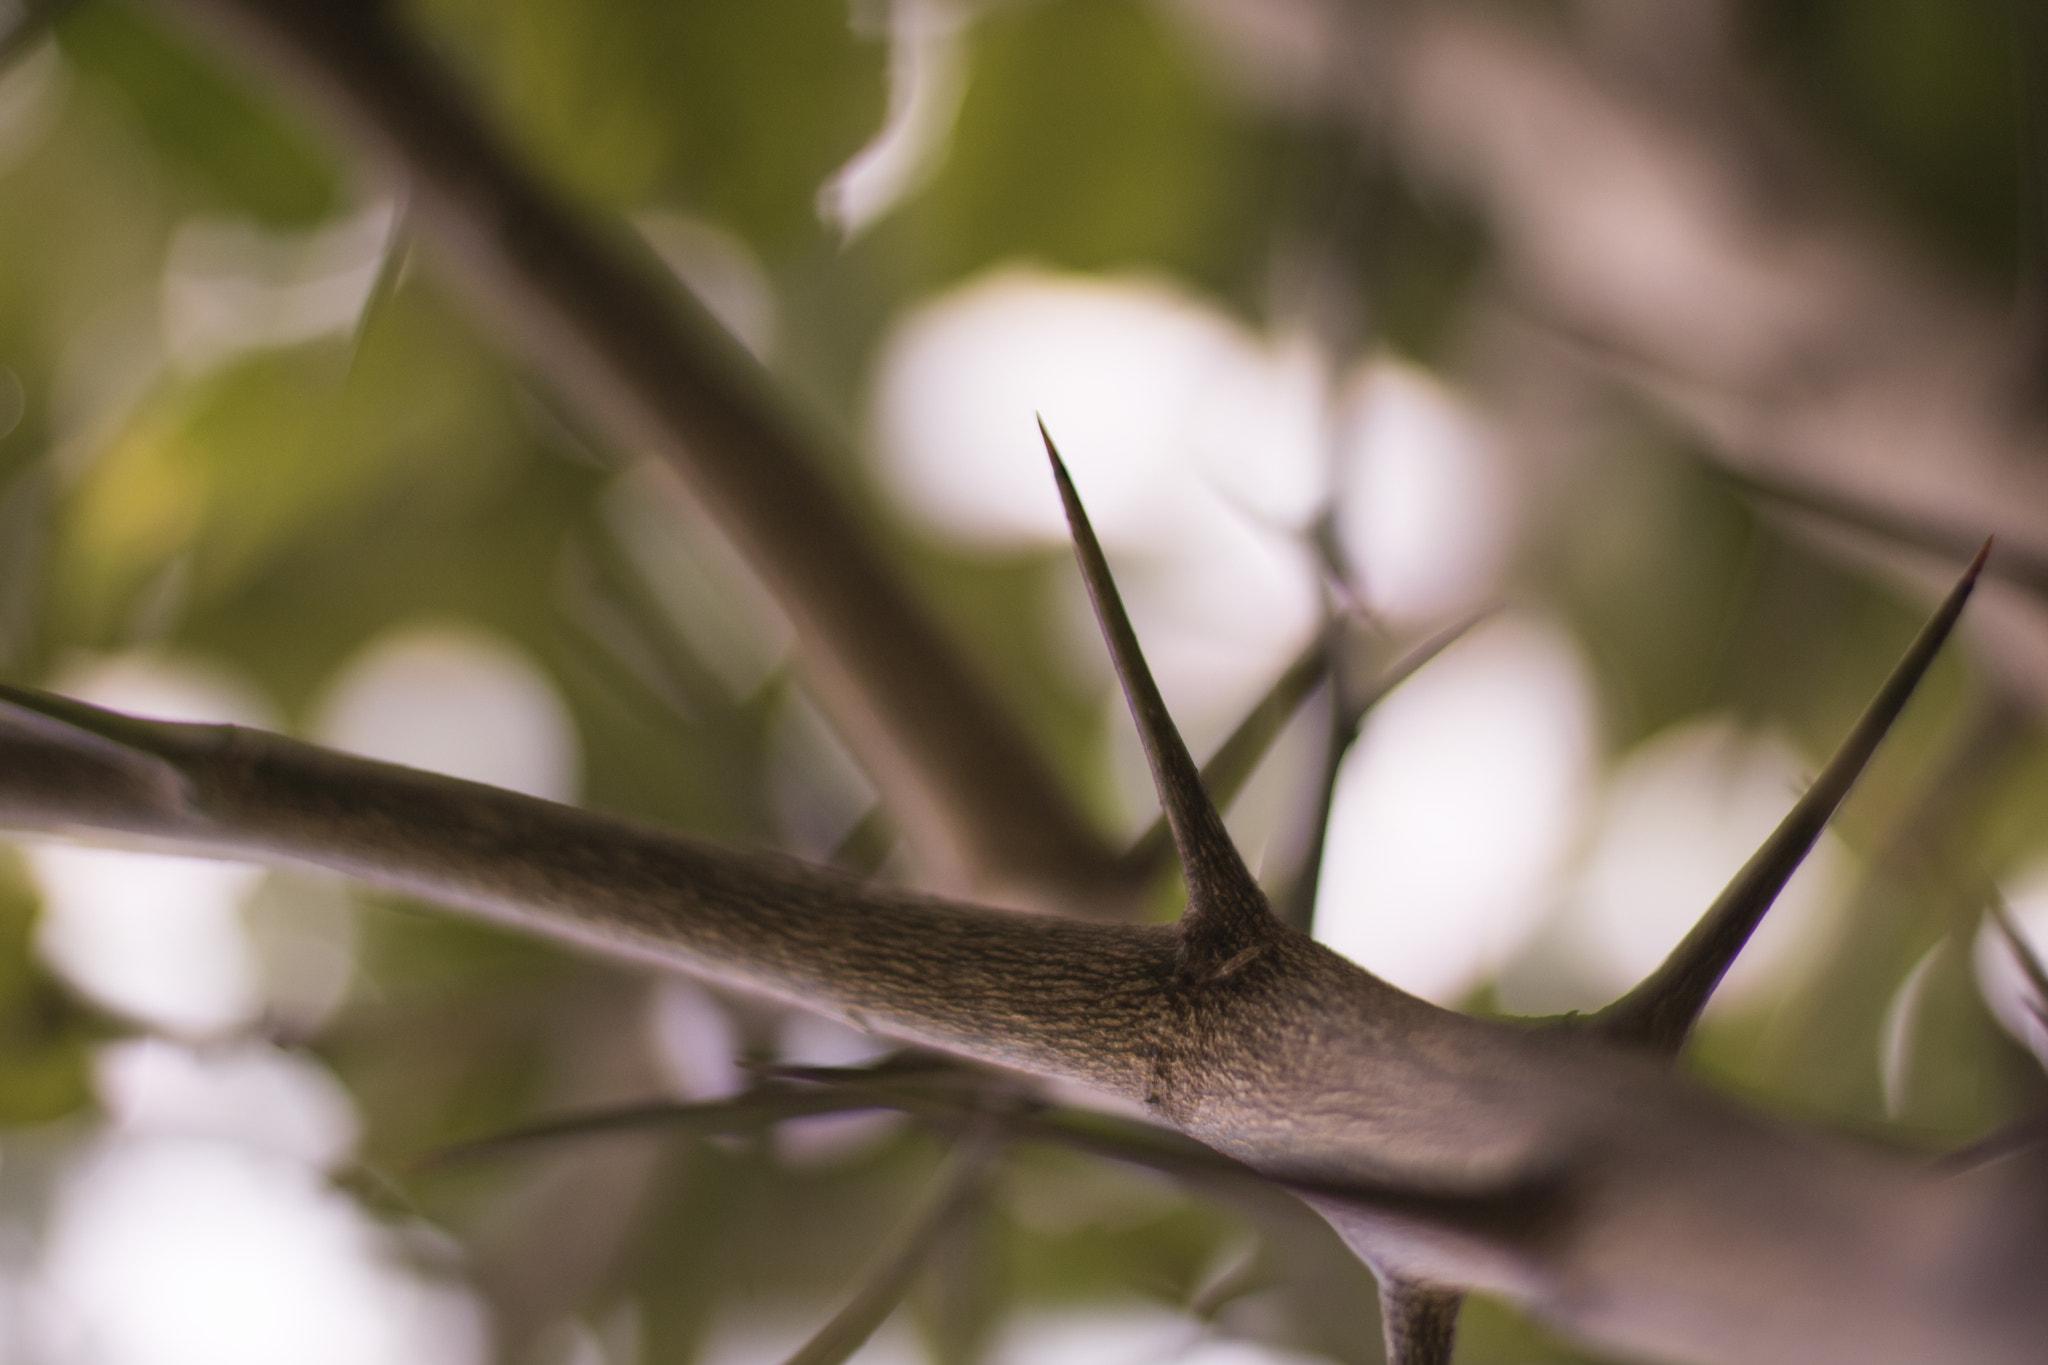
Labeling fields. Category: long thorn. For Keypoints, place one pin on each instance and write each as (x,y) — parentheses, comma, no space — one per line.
(1663,1007)
(1238,757)
(1226,922)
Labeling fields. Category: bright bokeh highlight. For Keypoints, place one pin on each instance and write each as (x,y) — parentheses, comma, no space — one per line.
(456,700)
(153,937)
(2001,977)
(186,1251)
(1457,808)
(1680,814)
(1424,496)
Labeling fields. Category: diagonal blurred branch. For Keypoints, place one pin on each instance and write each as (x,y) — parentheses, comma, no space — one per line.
(1663,1007)
(588,308)
(897,1262)
(31,22)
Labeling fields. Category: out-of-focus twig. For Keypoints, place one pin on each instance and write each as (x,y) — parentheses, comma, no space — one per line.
(31,23)
(896,1264)
(588,307)
(1347,720)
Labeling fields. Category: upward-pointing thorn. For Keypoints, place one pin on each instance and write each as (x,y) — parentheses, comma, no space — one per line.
(1227,921)
(1661,1010)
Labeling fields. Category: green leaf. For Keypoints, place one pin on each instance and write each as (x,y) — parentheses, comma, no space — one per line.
(739,112)
(241,152)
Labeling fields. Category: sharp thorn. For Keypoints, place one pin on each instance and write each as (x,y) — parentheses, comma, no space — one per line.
(1661,1010)
(1226,912)
(1238,757)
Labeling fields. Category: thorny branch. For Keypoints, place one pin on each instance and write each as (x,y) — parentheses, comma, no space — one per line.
(1575,1176)
(1571,1174)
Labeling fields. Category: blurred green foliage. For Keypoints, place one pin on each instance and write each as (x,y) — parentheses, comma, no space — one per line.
(1937,104)
(276,509)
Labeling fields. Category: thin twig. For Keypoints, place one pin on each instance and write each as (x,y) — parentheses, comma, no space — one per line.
(1347,721)
(2016,939)
(896,1265)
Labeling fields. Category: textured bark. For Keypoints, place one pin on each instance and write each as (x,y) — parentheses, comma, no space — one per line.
(1572,1175)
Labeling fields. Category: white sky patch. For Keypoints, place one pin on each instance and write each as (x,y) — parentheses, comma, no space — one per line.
(1423,509)
(721,271)
(232,286)
(251,1093)
(457,700)
(1999,974)
(1456,809)
(185,1251)
(1149,391)
(695,1042)
(927,76)
(1681,814)
(151,936)
(1199,449)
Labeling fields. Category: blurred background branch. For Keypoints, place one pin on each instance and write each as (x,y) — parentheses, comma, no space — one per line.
(647,365)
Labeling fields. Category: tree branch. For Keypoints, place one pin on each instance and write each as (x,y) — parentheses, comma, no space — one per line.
(589,309)
(1577,1177)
